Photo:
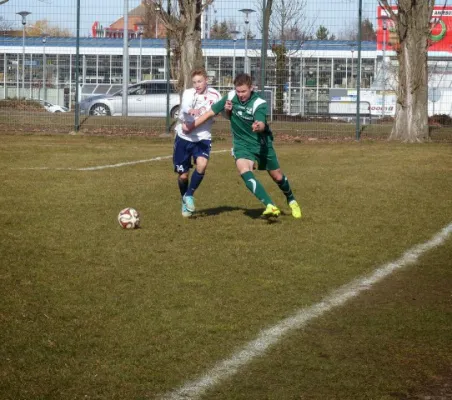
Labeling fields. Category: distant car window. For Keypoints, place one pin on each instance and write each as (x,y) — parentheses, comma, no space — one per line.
(136,90)
(114,88)
(160,88)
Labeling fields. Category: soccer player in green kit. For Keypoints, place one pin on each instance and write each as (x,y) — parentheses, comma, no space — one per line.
(252,142)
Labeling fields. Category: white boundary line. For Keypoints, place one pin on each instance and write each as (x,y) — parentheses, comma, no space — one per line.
(123,164)
(271,336)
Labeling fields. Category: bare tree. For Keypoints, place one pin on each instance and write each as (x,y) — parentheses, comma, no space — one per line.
(183,25)
(43,26)
(222,30)
(286,21)
(5,25)
(287,16)
(412,29)
(350,32)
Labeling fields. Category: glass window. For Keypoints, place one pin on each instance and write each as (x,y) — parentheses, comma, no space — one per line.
(146,63)
(88,88)
(104,69)
(367,72)
(159,88)
(116,69)
(102,89)
(295,74)
(90,63)
(64,61)
(213,69)
(325,72)
(226,71)
(340,73)
(137,90)
(114,89)
(310,69)
(158,67)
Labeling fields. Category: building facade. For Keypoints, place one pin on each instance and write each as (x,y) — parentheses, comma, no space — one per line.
(313,68)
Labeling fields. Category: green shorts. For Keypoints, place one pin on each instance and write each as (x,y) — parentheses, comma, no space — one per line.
(265,156)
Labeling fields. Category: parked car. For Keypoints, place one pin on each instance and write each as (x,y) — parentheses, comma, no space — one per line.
(53,108)
(145,99)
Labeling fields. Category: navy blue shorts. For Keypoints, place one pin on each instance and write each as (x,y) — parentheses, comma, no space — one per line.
(185,151)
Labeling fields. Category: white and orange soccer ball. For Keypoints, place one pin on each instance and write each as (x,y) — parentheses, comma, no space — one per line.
(129,218)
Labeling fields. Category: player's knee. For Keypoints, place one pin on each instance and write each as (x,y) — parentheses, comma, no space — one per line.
(276,175)
(183,177)
(201,165)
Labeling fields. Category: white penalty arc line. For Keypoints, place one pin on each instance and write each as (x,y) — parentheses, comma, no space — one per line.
(271,336)
(123,164)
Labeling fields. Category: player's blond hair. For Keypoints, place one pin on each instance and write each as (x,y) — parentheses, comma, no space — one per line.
(199,71)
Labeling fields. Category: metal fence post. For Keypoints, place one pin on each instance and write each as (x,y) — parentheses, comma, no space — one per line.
(77,72)
(358,73)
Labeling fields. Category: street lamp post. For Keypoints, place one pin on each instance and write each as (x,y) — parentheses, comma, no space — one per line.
(234,34)
(44,65)
(351,72)
(247,12)
(140,32)
(157,9)
(23,14)
(383,68)
(125,60)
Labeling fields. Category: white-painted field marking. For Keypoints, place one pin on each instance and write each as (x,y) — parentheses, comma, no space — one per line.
(271,336)
(123,164)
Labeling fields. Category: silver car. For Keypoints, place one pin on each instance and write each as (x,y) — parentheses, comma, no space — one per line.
(145,99)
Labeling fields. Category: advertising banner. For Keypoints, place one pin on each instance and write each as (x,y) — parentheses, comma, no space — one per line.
(441,30)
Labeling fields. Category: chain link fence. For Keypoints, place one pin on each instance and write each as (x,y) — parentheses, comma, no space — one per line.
(314,64)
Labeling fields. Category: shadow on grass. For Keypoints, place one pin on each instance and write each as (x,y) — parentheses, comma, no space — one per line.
(254,213)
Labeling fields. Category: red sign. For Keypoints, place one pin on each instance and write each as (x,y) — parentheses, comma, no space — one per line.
(94,28)
(440,36)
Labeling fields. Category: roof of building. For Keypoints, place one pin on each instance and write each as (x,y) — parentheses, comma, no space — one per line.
(322,45)
(135,16)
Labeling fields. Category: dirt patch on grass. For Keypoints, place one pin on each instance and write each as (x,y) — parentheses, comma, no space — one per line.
(440,388)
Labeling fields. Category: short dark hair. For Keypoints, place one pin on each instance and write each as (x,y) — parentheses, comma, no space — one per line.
(243,79)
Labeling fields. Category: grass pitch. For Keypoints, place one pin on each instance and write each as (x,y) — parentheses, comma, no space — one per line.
(93,311)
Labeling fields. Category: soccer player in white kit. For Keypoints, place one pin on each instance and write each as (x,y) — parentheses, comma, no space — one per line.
(195,145)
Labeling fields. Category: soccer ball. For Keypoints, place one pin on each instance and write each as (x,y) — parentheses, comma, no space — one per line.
(129,218)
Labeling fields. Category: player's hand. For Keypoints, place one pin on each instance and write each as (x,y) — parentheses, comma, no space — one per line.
(228,105)
(194,112)
(187,127)
(258,126)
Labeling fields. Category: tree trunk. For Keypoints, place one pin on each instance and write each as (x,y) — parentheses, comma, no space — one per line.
(190,57)
(281,77)
(412,23)
(183,25)
(411,122)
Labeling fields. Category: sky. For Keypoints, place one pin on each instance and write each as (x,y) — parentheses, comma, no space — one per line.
(336,15)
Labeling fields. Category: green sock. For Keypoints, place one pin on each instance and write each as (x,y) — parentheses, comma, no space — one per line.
(285,188)
(255,187)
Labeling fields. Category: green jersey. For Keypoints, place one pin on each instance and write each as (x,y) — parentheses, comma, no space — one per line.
(242,118)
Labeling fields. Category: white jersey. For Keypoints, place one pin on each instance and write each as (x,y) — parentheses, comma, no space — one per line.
(202,102)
